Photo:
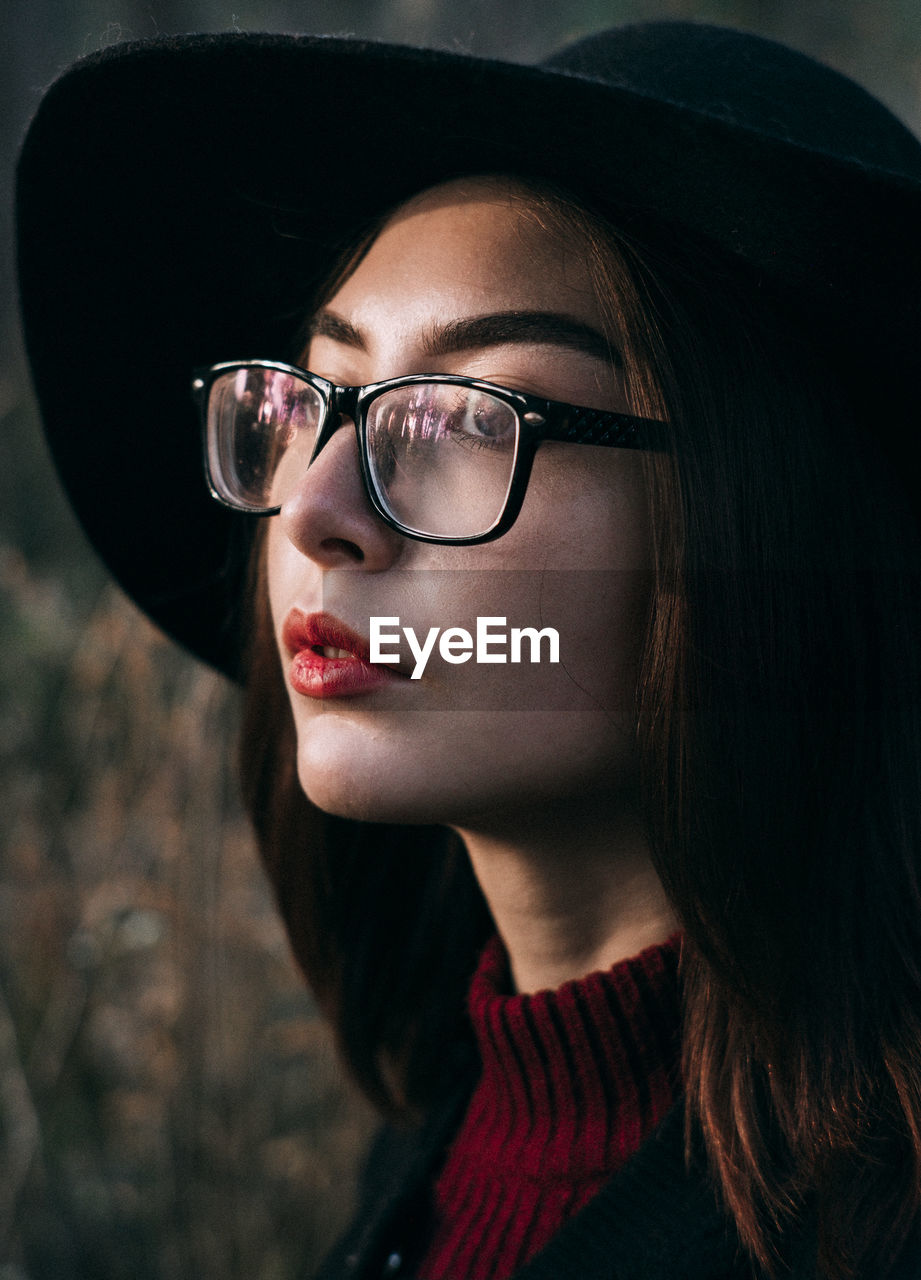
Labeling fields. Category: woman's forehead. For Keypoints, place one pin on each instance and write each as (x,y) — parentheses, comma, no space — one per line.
(493,205)
(479,235)
(496,188)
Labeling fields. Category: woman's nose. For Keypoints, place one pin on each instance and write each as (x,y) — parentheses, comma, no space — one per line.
(329,517)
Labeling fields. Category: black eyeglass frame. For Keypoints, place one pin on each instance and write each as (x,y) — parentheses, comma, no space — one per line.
(538,420)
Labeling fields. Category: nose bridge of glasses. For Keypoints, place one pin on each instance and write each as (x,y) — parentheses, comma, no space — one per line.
(341,407)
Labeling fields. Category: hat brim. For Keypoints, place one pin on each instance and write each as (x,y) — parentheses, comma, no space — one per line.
(180,200)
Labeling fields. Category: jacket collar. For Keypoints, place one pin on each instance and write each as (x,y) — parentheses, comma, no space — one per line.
(656,1219)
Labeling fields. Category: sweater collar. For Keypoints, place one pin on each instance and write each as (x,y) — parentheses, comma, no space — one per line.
(574,1079)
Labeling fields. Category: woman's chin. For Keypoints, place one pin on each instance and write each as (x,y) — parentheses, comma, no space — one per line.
(351,786)
(351,798)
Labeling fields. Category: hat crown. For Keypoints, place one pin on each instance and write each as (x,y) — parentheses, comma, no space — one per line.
(750,82)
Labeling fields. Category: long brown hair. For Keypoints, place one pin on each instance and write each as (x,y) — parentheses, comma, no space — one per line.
(779,728)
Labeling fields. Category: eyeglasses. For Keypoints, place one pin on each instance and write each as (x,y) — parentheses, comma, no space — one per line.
(443,458)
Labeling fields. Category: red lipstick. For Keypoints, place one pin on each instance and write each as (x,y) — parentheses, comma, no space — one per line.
(329,659)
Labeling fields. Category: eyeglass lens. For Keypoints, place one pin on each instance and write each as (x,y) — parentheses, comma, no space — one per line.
(440,457)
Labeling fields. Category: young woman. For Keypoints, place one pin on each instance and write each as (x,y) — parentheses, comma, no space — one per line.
(620,351)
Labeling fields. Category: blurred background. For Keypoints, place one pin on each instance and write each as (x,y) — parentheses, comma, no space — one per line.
(170,1106)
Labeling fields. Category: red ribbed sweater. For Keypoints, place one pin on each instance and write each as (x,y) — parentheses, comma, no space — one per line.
(572,1082)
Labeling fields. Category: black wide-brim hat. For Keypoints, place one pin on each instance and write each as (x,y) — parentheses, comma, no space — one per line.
(179,200)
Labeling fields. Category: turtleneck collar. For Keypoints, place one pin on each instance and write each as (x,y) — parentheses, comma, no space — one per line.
(574,1079)
(572,1082)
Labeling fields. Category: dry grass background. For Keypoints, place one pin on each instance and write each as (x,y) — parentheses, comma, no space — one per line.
(170,1105)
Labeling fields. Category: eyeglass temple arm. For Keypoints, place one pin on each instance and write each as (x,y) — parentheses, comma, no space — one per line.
(599,427)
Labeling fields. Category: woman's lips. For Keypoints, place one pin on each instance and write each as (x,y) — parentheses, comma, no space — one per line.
(329,659)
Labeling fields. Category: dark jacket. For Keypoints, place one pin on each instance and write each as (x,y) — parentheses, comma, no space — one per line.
(653,1220)
(656,1219)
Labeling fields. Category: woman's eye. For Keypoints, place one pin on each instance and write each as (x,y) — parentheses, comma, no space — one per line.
(485,421)
(478,423)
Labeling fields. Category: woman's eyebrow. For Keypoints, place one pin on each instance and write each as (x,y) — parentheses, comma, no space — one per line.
(492,330)
(327,324)
(498,328)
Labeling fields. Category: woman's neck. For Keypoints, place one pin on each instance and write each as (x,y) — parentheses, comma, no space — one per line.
(569,898)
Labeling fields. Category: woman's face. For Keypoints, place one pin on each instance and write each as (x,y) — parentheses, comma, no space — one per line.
(469,742)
